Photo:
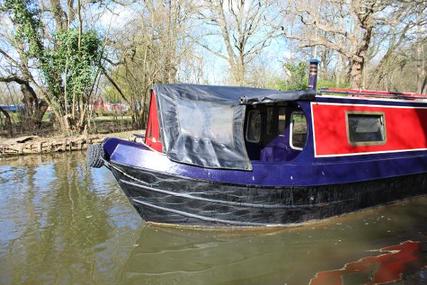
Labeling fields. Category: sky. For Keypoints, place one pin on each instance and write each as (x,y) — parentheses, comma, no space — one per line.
(215,69)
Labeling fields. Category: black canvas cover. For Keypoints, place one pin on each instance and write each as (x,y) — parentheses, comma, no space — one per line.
(203,125)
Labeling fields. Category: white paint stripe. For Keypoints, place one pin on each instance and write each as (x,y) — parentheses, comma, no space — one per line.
(312,128)
(371,152)
(358,153)
(203,218)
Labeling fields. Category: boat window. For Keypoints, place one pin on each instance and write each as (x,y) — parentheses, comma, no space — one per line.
(298,131)
(365,128)
(270,122)
(282,121)
(203,120)
(253,129)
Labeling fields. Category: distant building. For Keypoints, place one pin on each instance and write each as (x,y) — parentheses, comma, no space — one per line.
(101,106)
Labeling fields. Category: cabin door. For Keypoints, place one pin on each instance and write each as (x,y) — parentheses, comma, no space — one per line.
(275,133)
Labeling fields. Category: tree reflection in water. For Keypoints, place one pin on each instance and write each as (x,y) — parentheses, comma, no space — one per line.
(66,222)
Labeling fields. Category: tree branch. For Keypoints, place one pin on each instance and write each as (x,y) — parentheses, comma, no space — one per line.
(114,84)
(13,78)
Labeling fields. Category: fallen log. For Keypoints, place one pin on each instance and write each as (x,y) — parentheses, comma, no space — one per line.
(40,145)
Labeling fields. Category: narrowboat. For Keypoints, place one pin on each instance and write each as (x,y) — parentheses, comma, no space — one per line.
(238,156)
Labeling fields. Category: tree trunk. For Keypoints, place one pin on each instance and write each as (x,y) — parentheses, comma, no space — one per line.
(421,69)
(356,73)
(8,121)
(35,108)
(358,61)
(238,73)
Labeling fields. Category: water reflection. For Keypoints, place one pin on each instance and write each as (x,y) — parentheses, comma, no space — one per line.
(387,267)
(57,226)
(291,256)
(62,223)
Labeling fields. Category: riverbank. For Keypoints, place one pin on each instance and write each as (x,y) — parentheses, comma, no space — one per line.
(40,145)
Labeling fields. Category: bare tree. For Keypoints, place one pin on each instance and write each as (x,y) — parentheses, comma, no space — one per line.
(400,33)
(421,49)
(244,27)
(150,52)
(358,30)
(346,27)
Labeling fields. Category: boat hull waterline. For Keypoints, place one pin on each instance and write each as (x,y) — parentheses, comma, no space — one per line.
(167,199)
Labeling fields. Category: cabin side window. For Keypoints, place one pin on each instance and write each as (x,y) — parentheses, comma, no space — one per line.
(253,130)
(366,128)
(281,126)
(298,131)
(270,130)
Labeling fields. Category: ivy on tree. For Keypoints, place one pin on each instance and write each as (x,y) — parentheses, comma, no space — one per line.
(67,64)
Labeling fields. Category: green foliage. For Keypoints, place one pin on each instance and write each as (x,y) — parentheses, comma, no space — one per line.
(69,66)
(25,16)
(297,76)
(111,95)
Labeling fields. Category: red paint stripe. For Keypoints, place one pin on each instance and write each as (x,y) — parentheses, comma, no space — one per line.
(406,129)
(361,92)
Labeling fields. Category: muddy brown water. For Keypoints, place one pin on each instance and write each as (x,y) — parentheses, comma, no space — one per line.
(63,223)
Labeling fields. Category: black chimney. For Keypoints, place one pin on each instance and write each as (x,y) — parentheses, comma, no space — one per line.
(312,76)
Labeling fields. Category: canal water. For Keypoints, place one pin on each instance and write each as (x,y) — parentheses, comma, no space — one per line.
(64,223)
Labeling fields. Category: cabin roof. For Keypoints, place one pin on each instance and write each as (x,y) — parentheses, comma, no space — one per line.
(231,94)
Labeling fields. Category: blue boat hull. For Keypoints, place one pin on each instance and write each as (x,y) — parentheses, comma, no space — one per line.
(162,198)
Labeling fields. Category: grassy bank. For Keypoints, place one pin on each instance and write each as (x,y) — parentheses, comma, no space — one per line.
(103,124)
